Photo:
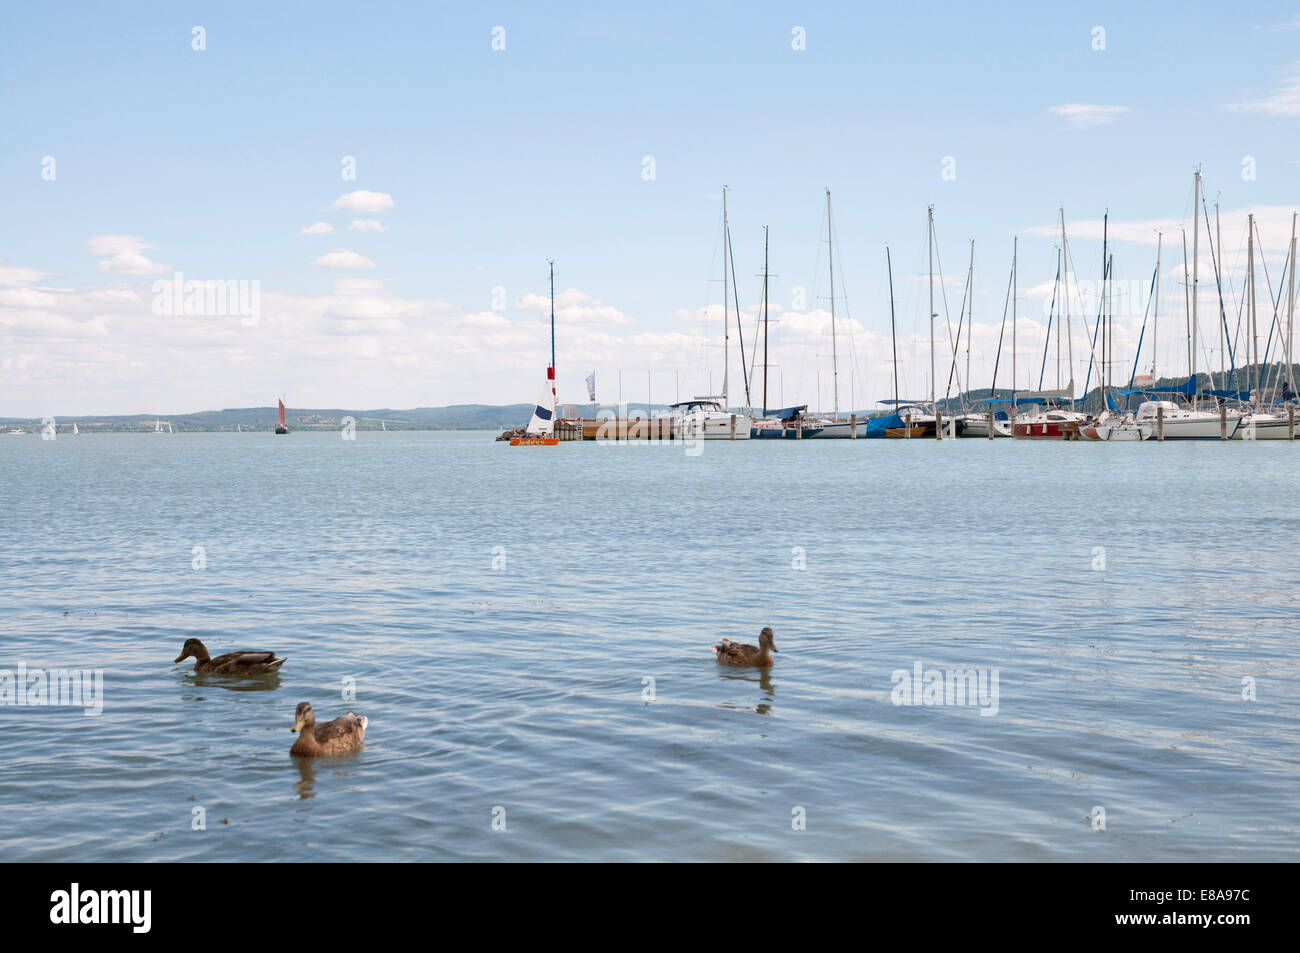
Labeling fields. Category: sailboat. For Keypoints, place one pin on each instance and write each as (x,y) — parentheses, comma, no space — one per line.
(281,427)
(833,427)
(709,417)
(1187,423)
(157,427)
(75,431)
(383,426)
(1258,424)
(540,431)
(788,423)
(541,428)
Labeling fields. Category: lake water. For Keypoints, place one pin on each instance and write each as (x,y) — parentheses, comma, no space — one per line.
(562,686)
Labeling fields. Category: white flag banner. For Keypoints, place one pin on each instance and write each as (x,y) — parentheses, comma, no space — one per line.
(591,387)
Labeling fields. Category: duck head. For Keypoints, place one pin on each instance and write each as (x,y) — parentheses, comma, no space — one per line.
(303,717)
(192,648)
(765,640)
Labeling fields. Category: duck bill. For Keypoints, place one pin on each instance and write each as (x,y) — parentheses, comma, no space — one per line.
(297,725)
(181,658)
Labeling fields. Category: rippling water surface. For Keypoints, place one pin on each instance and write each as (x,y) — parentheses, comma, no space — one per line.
(571,693)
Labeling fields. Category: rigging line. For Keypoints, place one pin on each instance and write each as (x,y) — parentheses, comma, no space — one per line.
(943,293)
(1231,341)
(1143,334)
(1051,312)
(740,331)
(1006,304)
(1218,283)
(952,368)
(1276,301)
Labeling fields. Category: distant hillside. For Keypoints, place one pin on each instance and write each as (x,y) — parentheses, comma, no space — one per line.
(455,417)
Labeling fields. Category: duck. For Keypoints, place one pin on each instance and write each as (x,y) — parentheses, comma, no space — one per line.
(343,735)
(232,663)
(733,653)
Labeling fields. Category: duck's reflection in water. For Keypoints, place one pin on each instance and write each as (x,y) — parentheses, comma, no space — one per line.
(306,785)
(759,676)
(260,683)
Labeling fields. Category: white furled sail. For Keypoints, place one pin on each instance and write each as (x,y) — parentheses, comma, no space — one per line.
(543,422)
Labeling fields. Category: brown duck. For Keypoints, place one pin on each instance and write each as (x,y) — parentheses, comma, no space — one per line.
(733,653)
(343,735)
(232,663)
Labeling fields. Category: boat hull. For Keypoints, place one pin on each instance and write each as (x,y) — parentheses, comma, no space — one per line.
(1048,430)
(1265,426)
(534,441)
(782,433)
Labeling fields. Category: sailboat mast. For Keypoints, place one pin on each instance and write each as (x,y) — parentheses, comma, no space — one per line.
(1196,244)
(970,315)
(835,360)
(1069,331)
(893,327)
(764,320)
(551,375)
(1187,300)
(726,314)
(1290,308)
(1155,307)
(1250,291)
(1223,324)
(1105,277)
(1015,292)
(930,245)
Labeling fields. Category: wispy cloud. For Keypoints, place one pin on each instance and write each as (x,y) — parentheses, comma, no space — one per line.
(1282,102)
(367,225)
(1284,27)
(363,201)
(320,228)
(343,258)
(125,255)
(575,307)
(1086,114)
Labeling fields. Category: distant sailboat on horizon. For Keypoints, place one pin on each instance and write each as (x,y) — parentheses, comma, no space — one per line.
(281,427)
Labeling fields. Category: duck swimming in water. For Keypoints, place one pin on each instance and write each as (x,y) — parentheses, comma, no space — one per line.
(733,653)
(232,663)
(343,735)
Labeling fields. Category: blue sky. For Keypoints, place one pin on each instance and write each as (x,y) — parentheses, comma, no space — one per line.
(211,162)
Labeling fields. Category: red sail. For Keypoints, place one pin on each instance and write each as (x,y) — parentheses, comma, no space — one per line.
(281,413)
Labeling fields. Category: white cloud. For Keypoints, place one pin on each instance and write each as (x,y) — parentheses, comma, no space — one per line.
(363,201)
(1282,102)
(18,275)
(575,307)
(367,225)
(320,228)
(126,255)
(1085,114)
(343,258)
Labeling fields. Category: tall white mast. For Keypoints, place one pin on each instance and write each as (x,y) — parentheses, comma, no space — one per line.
(1155,305)
(835,361)
(930,236)
(1223,330)
(1015,245)
(1250,292)
(1290,307)
(1069,330)
(1196,261)
(726,314)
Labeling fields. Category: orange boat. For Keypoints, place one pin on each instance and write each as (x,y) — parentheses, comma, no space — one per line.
(903,431)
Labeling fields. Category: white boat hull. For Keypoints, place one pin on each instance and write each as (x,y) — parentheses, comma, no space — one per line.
(1265,427)
(714,426)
